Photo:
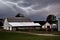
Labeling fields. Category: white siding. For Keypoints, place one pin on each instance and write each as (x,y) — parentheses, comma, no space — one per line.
(10,28)
(45,25)
(6,25)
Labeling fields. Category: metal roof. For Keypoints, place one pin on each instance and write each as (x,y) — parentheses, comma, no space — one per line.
(18,19)
(24,24)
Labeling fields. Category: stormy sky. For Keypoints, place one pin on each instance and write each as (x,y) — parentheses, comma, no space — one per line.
(34,9)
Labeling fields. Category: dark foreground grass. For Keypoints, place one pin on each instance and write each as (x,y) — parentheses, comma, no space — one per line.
(23,36)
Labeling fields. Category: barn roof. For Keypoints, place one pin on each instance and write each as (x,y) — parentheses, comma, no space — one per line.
(23,24)
(40,22)
(18,19)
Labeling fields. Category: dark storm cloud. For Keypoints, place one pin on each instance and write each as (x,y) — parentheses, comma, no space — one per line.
(54,1)
(35,8)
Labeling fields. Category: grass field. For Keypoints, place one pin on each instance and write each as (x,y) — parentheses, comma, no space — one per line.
(24,36)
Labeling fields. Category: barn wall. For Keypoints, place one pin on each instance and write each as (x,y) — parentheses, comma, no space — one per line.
(6,25)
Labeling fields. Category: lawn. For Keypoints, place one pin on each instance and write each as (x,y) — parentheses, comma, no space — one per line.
(24,36)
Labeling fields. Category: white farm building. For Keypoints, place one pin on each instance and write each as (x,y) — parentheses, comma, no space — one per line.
(14,23)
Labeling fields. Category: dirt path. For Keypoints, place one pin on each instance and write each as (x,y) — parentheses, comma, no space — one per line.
(39,34)
(47,34)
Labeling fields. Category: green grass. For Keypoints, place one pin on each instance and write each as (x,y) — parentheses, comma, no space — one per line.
(43,32)
(24,36)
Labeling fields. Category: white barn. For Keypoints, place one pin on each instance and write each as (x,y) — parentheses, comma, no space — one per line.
(12,23)
(46,25)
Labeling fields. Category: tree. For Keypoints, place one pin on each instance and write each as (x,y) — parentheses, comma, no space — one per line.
(51,19)
(19,15)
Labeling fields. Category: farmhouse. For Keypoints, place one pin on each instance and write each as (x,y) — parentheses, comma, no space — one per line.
(17,23)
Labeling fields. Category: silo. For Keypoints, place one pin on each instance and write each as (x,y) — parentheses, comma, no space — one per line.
(58,24)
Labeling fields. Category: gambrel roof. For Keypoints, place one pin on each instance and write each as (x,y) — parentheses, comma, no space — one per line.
(18,19)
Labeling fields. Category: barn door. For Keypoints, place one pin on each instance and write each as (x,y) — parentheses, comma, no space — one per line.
(48,28)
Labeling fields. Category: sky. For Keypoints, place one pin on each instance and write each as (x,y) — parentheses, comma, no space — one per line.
(33,9)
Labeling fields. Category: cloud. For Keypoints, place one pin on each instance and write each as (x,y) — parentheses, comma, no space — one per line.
(35,8)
